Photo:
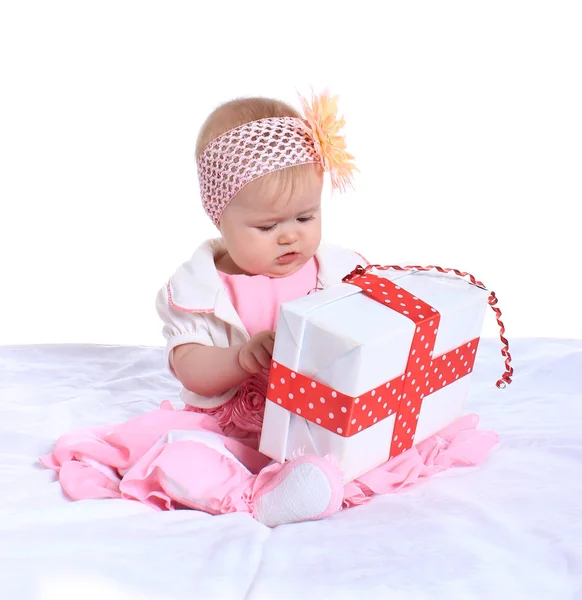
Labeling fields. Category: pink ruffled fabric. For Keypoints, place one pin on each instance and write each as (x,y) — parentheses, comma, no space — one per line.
(460,444)
(131,460)
(138,460)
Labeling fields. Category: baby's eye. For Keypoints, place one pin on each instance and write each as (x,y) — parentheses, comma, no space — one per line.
(304,219)
(267,227)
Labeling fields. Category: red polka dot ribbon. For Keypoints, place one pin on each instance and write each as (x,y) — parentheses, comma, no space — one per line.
(346,415)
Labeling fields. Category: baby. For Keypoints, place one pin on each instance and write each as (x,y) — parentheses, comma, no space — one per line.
(261,167)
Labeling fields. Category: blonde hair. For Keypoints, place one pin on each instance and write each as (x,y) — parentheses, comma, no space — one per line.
(239,111)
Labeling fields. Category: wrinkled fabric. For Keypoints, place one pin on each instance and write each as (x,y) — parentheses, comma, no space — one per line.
(510,528)
(460,444)
(170,458)
(136,459)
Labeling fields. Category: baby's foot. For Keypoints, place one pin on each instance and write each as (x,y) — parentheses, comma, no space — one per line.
(305,489)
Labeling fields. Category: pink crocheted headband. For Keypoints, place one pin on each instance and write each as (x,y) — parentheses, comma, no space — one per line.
(254,149)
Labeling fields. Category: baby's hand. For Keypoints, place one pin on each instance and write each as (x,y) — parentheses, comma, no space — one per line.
(257,352)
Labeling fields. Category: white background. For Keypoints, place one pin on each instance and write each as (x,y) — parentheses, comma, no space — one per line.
(464,117)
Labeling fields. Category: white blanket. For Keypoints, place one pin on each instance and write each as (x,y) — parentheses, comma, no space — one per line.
(509,529)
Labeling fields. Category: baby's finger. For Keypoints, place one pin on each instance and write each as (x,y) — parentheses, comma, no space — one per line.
(263,357)
(269,344)
(249,363)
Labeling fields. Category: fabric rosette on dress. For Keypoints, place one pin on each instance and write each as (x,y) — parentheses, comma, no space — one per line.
(242,416)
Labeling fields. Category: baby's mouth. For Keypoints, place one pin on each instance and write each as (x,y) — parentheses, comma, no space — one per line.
(287,258)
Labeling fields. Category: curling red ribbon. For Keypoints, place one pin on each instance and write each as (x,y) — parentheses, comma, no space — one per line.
(505,379)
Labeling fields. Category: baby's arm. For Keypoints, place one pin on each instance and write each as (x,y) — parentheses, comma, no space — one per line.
(210,371)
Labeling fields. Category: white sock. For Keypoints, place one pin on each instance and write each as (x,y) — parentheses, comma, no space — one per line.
(303,494)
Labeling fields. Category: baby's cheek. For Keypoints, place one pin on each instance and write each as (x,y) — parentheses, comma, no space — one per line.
(259,254)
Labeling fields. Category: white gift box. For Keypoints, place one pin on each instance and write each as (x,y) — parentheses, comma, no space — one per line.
(363,374)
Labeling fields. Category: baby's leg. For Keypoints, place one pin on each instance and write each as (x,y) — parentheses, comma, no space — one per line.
(192,469)
(195,469)
(168,458)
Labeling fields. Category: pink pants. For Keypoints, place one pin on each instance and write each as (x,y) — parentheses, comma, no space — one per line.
(175,458)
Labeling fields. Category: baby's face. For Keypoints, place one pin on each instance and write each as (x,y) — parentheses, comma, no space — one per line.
(271,232)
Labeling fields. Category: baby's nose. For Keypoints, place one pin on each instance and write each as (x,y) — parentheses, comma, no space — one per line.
(287,236)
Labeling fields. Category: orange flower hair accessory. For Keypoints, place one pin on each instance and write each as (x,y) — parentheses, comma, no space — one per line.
(324,126)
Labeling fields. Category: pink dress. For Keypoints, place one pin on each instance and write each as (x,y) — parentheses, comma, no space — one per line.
(208,459)
(257,299)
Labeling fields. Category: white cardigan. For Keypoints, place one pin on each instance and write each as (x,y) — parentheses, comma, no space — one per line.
(195,306)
